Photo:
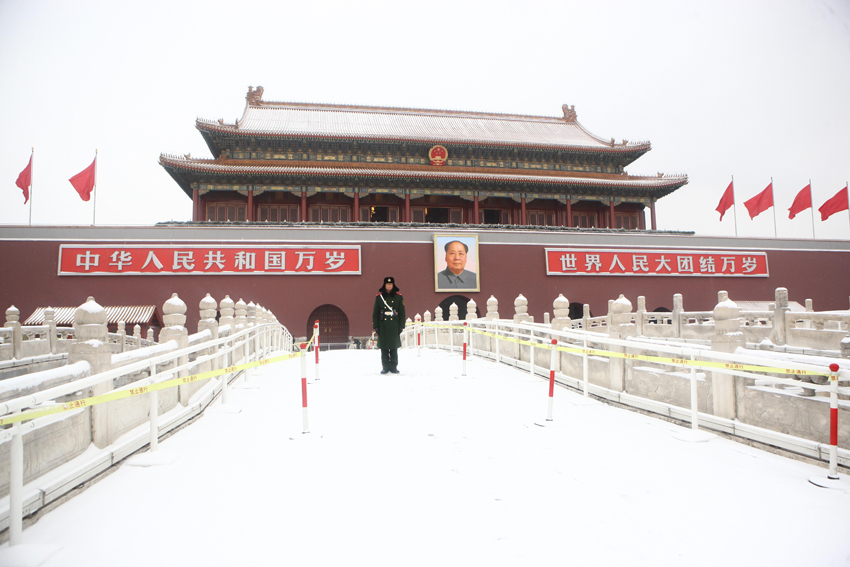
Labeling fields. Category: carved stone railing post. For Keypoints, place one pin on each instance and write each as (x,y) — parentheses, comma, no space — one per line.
(92,346)
(241,321)
(438,314)
(678,307)
(453,312)
(471,310)
(208,308)
(492,309)
(13,316)
(727,338)
(780,308)
(227,309)
(620,326)
(521,310)
(174,319)
(137,335)
(639,312)
(585,317)
(561,309)
(50,321)
(122,336)
(150,336)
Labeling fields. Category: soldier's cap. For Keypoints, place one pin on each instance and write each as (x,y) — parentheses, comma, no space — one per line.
(389,280)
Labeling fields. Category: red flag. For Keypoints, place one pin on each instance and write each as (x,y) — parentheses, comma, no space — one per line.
(25,180)
(835,204)
(726,201)
(802,201)
(83,182)
(761,202)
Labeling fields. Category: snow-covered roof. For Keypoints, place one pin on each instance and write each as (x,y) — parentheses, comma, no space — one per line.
(130,314)
(332,121)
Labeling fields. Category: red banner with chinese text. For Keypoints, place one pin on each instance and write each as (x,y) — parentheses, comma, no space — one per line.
(173,260)
(621,262)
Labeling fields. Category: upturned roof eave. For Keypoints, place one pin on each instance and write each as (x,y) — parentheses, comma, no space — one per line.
(666,185)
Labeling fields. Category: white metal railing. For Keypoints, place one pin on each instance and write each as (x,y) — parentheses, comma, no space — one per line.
(589,346)
(249,344)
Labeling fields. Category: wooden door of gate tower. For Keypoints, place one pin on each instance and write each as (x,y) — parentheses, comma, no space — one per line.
(333,324)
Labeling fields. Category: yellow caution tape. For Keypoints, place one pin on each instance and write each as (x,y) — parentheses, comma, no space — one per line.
(130,392)
(704,364)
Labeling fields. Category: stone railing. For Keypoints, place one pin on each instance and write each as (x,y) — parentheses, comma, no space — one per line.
(98,362)
(781,405)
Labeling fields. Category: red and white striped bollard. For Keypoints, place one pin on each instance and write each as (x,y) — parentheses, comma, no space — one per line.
(306,422)
(465,339)
(549,419)
(316,346)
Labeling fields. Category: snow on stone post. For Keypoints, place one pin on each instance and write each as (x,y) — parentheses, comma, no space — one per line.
(561,310)
(13,316)
(492,308)
(620,326)
(426,317)
(780,308)
(137,335)
(50,321)
(453,312)
(174,318)
(92,346)
(471,310)
(727,338)
(122,335)
(585,317)
(438,314)
(208,308)
(150,336)
(678,307)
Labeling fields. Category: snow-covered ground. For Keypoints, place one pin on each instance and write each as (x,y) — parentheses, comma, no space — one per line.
(431,468)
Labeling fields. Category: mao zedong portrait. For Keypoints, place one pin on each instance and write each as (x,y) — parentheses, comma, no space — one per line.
(456,276)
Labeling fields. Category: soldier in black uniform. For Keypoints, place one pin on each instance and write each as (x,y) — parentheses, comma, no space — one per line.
(388,320)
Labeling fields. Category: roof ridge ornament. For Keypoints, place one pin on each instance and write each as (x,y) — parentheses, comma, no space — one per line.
(570,114)
(254,96)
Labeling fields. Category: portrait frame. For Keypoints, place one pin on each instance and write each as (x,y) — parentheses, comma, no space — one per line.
(471,267)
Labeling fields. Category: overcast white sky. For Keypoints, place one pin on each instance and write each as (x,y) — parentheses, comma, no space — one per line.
(754,89)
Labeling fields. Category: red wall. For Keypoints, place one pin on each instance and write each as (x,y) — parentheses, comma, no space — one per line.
(506,270)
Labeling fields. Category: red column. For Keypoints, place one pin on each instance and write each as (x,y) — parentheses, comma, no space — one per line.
(642,219)
(522,218)
(196,205)
(407,207)
(569,213)
(355,214)
(612,222)
(250,206)
(652,214)
(303,206)
(475,210)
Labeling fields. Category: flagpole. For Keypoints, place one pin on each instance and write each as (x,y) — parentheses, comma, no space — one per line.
(734,206)
(94,207)
(812,209)
(32,156)
(774,207)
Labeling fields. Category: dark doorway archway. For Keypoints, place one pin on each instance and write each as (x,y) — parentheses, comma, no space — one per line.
(461,302)
(333,324)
